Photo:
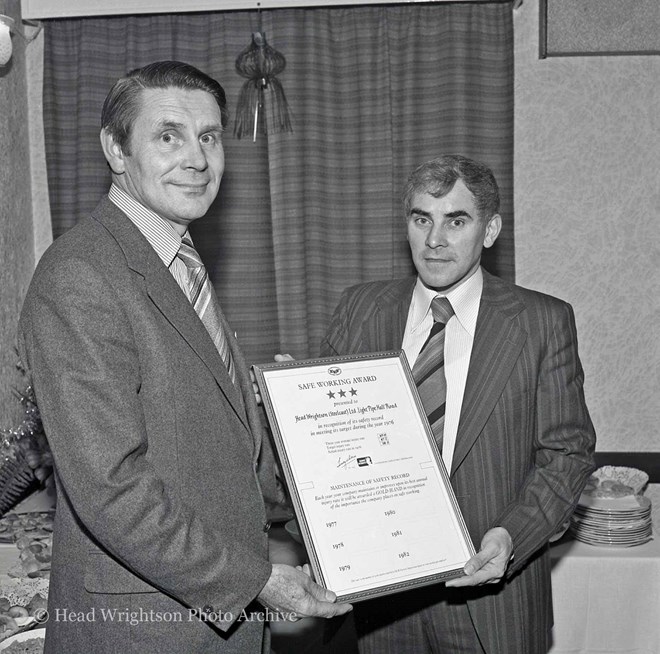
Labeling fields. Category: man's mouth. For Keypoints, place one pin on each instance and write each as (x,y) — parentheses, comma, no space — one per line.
(193,189)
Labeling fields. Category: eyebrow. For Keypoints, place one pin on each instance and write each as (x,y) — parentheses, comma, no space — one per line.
(172,124)
(459,213)
(168,124)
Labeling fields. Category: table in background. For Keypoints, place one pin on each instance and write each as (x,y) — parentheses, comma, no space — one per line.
(607,600)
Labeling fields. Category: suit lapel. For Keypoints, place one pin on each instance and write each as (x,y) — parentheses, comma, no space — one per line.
(251,411)
(166,295)
(386,331)
(498,341)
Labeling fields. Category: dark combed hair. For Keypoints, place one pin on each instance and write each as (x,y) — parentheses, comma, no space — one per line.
(122,104)
(438,176)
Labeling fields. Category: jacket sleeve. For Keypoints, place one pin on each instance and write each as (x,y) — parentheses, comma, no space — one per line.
(335,341)
(565,442)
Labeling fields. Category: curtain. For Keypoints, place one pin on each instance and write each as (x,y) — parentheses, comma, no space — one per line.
(373,92)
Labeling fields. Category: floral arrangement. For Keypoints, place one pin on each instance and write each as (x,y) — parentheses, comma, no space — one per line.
(26,462)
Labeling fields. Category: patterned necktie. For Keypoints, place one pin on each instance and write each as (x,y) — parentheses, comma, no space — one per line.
(429,369)
(205,302)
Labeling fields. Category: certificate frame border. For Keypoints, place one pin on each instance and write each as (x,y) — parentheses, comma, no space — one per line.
(261,371)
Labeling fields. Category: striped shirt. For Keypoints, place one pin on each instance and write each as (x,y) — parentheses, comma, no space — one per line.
(459,338)
(162,237)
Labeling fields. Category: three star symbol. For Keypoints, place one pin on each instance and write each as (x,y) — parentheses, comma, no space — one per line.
(341,393)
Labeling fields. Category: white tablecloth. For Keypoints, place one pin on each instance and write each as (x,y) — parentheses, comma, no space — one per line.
(607,600)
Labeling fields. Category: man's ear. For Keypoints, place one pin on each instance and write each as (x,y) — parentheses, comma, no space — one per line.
(113,152)
(492,230)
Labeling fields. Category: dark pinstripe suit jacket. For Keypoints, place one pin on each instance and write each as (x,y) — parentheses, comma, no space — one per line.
(525,440)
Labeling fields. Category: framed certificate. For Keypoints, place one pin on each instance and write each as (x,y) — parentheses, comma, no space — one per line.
(371,495)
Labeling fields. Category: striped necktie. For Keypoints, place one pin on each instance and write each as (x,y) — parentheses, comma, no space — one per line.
(205,302)
(429,369)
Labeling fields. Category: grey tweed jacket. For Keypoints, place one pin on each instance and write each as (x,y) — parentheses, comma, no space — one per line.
(160,512)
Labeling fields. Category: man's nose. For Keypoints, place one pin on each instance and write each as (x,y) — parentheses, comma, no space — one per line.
(194,156)
(436,237)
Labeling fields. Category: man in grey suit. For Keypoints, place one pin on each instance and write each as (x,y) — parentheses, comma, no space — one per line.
(514,432)
(161,466)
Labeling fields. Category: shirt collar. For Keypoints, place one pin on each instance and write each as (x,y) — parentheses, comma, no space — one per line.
(465,300)
(162,237)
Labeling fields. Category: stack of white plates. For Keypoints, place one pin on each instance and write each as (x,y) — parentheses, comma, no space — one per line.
(612,522)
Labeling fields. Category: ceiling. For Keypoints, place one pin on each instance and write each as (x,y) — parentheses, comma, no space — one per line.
(36,9)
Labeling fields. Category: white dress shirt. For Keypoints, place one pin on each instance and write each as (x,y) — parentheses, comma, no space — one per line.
(162,237)
(459,337)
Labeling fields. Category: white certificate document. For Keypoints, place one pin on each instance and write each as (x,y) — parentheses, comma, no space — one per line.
(371,495)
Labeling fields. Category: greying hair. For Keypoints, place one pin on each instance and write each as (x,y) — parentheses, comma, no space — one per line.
(438,176)
(122,104)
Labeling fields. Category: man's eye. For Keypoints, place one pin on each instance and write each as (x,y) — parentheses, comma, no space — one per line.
(167,138)
(208,139)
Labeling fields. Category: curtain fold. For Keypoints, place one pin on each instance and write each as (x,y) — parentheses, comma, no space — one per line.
(376,91)
(373,91)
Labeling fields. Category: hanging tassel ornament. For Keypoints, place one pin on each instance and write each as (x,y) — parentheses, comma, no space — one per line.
(262,105)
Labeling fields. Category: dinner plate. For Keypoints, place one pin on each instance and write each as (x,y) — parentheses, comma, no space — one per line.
(612,533)
(612,522)
(607,537)
(615,525)
(610,543)
(615,504)
(22,637)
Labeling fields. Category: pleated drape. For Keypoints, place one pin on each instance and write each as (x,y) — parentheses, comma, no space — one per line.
(373,91)
(376,91)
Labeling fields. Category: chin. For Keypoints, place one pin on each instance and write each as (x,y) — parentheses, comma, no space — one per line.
(435,281)
(195,211)
(441,283)
(439,287)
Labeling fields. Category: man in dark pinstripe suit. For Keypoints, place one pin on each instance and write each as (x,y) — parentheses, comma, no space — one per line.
(518,440)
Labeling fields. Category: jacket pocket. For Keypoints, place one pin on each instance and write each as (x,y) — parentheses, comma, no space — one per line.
(103,574)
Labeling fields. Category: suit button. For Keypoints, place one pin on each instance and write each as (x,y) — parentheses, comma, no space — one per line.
(208,609)
(267,526)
